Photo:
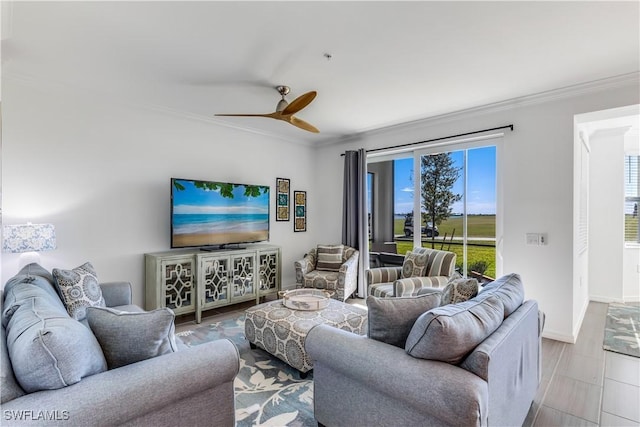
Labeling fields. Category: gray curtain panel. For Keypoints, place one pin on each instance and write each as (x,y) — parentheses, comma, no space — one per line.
(354,217)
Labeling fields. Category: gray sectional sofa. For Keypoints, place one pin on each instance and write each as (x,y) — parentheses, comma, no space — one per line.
(433,379)
(61,378)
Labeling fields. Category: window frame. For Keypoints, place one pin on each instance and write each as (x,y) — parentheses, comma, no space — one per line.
(631,199)
(496,139)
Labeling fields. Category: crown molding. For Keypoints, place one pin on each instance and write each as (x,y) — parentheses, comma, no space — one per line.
(509,104)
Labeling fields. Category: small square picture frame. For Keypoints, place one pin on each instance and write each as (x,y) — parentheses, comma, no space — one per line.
(283,202)
(299,211)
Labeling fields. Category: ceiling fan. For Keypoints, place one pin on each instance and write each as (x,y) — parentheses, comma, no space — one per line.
(285,110)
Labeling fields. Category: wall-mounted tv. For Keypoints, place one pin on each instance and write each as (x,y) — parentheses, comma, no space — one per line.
(214,213)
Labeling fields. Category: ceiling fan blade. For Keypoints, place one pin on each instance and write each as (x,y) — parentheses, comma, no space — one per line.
(246,115)
(299,103)
(303,125)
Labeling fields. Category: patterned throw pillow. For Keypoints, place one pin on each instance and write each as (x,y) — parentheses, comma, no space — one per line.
(79,289)
(459,290)
(414,265)
(329,257)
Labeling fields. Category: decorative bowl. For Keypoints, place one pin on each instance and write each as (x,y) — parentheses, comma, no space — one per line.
(306,299)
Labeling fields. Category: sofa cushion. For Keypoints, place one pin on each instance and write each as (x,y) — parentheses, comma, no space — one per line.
(48,349)
(415,264)
(35,269)
(39,277)
(459,290)
(329,257)
(9,387)
(509,289)
(448,333)
(129,337)
(391,319)
(79,288)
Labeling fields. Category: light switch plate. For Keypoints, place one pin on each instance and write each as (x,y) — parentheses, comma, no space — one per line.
(537,239)
(533,239)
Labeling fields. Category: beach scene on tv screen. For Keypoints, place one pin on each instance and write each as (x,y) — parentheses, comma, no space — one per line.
(216,213)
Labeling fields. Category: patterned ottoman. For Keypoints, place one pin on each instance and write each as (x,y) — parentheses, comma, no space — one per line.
(281,331)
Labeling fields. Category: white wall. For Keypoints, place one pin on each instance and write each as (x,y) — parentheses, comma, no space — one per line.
(606,215)
(100,173)
(537,179)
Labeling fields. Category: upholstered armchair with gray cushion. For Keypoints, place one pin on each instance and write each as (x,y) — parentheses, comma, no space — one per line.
(330,267)
(423,267)
(70,379)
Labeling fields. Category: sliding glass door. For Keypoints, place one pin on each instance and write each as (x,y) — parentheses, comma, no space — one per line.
(458,205)
(443,197)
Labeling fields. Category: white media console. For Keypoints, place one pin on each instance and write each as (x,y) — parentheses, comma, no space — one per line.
(192,281)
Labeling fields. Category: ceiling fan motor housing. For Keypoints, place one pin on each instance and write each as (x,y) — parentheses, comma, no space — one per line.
(282,104)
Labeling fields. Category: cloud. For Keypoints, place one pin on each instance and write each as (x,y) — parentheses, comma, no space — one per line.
(407,190)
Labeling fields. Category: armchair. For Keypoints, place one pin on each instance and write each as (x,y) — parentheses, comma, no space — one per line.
(437,268)
(341,280)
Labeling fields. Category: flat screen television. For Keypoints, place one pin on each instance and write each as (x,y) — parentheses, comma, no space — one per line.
(213,214)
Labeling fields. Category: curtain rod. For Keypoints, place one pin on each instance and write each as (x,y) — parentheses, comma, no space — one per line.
(438,139)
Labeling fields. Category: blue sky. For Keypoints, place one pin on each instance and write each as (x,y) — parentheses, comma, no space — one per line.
(194,200)
(481,197)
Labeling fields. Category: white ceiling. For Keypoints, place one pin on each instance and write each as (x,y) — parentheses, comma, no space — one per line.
(391,62)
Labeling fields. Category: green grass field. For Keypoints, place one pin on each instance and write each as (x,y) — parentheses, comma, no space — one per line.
(478,226)
(630,228)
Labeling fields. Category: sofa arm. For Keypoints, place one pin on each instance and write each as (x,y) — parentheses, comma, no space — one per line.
(383,275)
(116,293)
(444,391)
(136,393)
(410,286)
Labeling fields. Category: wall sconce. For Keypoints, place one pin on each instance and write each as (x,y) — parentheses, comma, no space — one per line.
(27,240)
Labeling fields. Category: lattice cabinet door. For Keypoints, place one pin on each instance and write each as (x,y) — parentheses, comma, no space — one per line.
(269,271)
(243,276)
(213,278)
(178,285)
(171,283)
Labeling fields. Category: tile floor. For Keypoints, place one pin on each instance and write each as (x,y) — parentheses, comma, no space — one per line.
(582,385)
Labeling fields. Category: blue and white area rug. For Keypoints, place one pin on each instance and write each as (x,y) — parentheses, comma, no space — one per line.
(622,329)
(268,391)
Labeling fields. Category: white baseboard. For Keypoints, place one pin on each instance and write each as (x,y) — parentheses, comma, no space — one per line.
(606,300)
(578,325)
(559,337)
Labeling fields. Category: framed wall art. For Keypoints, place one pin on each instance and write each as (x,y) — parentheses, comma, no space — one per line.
(300,211)
(282,199)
